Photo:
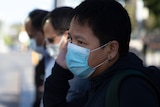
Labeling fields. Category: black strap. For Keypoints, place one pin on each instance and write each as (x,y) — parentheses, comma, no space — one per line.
(112,98)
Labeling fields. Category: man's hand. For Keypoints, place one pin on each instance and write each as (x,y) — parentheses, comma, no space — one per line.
(61,59)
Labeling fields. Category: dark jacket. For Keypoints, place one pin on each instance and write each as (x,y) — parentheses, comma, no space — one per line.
(39,73)
(134,92)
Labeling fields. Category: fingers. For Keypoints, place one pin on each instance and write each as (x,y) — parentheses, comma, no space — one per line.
(61,57)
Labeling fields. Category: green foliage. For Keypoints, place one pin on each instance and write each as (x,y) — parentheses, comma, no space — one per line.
(154,7)
(8,40)
(150,22)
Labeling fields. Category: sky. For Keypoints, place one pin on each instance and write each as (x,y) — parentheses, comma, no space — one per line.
(15,11)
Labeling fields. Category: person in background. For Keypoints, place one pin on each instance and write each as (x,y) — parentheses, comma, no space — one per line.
(37,44)
(55,28)
(98,49)
(56,25)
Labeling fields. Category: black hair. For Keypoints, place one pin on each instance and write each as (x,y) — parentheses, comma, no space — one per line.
(60,19)
(108,21)
(37,16)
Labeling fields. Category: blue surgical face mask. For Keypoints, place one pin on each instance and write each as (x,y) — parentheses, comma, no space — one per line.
(77,60)
(33,46)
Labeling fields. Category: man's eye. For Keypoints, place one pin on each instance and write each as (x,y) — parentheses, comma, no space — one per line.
(49,40)
(80,42)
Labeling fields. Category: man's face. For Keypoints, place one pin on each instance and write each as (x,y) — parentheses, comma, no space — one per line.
(34,34)
(82,35)
(50,33)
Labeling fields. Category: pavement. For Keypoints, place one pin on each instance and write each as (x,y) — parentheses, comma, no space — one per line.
(16,79)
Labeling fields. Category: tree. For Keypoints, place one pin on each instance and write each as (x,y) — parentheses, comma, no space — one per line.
(154,7)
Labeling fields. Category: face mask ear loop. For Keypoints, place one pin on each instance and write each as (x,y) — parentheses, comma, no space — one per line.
(100,64)
(100,47)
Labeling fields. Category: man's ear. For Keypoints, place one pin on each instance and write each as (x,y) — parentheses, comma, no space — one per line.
(113,49)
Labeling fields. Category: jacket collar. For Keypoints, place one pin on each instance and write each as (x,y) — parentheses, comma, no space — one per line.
(130,61)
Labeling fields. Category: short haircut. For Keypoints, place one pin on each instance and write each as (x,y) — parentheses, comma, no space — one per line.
(108,20)
(60,19)
(37,16)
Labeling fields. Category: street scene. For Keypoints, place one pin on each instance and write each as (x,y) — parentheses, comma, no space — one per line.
(19,54)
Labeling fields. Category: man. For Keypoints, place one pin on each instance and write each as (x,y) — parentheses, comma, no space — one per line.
(98,49)
(55,28)
(34,29)
(56,25)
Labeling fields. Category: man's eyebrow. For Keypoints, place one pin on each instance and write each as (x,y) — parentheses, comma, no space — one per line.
(76,36)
